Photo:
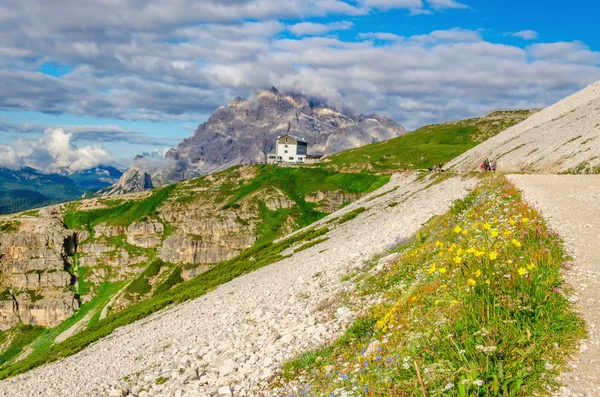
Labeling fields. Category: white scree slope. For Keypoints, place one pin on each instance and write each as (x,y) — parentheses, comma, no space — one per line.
(232,339)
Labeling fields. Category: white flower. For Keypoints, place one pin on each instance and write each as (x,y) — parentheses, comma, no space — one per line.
(406,365)
(478,383)
(448,386)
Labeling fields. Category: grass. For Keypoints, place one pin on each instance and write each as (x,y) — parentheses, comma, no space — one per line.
(251,259)
(42,339)
(425,147)
(351,215)
(121,214)
(23,335)
(311,244)
(475,302)
(9,226)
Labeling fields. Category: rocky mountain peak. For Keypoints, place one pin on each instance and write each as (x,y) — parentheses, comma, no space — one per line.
(245,130)
(133,180)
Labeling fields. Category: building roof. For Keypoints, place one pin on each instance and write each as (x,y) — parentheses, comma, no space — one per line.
(293,137)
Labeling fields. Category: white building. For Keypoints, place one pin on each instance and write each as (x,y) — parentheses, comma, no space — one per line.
(289,149)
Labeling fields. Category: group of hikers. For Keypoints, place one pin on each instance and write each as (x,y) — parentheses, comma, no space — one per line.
(488,165)
(437,168)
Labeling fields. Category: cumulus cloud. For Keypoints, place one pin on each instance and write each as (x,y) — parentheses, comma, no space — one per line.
(444,4)
(53,152)
(525,34)
(312,29)
(182,59)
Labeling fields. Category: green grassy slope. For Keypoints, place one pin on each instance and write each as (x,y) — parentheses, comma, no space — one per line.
(429,145)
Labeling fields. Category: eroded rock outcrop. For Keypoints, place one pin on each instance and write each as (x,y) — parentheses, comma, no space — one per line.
(35,284)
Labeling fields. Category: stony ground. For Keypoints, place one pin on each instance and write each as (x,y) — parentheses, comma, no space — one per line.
(233,339)
(571,204)
(559,138)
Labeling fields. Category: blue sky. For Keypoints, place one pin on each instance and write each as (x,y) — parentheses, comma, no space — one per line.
(140,76)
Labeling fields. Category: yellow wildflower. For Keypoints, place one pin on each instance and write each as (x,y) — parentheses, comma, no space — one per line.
(531,266)
(487,282)
(457,229)
(414,299)
(454,302)
(479,254)
(443,270)
(460,251)
(458,260)
(525,220)
(507,232)
(496,221)
(439,244)
(440,254)
(471,250)
(494,233)
(511,221)
(475,225)
(487,226)
(478,273)
(516,242)
(465,232)
(493,255)
(437,302)
(471,282)
(522,271)
(432,269)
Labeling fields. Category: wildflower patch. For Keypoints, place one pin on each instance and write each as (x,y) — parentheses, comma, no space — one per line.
(474,306)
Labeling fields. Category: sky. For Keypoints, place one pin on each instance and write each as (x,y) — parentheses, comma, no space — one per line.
(84,83)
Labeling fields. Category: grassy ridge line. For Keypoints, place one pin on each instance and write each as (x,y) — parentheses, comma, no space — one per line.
(250,260)
(476,302)
(429,145)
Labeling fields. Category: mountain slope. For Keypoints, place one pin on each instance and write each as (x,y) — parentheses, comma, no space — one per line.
(562,138)
(28,188)
(132,255)
(427,146)
(244,130)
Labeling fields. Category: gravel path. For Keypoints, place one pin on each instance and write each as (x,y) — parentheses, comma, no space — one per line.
(231,340)
(571,204)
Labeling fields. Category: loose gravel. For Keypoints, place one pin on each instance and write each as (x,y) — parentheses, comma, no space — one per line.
(232,340)
(571,205)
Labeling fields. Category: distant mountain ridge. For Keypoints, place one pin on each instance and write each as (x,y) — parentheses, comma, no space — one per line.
(245,130)
(27,188)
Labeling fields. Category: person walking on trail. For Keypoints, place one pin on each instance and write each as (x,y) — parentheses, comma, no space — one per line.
(482,166)
(494,166)
(487,165)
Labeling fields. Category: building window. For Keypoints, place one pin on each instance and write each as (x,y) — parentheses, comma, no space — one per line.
(291,158)
(285,145)
(285,151)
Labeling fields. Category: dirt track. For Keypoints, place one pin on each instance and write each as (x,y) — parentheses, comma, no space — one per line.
(571,205)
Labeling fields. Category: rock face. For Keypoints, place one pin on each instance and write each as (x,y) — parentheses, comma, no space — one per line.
(133,180)
(243,131)
(563,138)
(34,283)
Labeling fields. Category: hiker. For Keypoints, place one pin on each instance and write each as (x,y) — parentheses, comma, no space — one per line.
(435,168)
(487,165)
(482,166)
(493,166)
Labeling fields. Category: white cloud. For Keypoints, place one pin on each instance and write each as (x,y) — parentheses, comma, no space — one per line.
(382,36)
(570,52)
(525,34)
(444,4)
(53,152)
(315,29)
(390,4)
(451,35)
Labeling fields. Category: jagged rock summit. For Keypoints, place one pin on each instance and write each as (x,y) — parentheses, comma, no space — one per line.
(133,180)
(563,138)
(246,129)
